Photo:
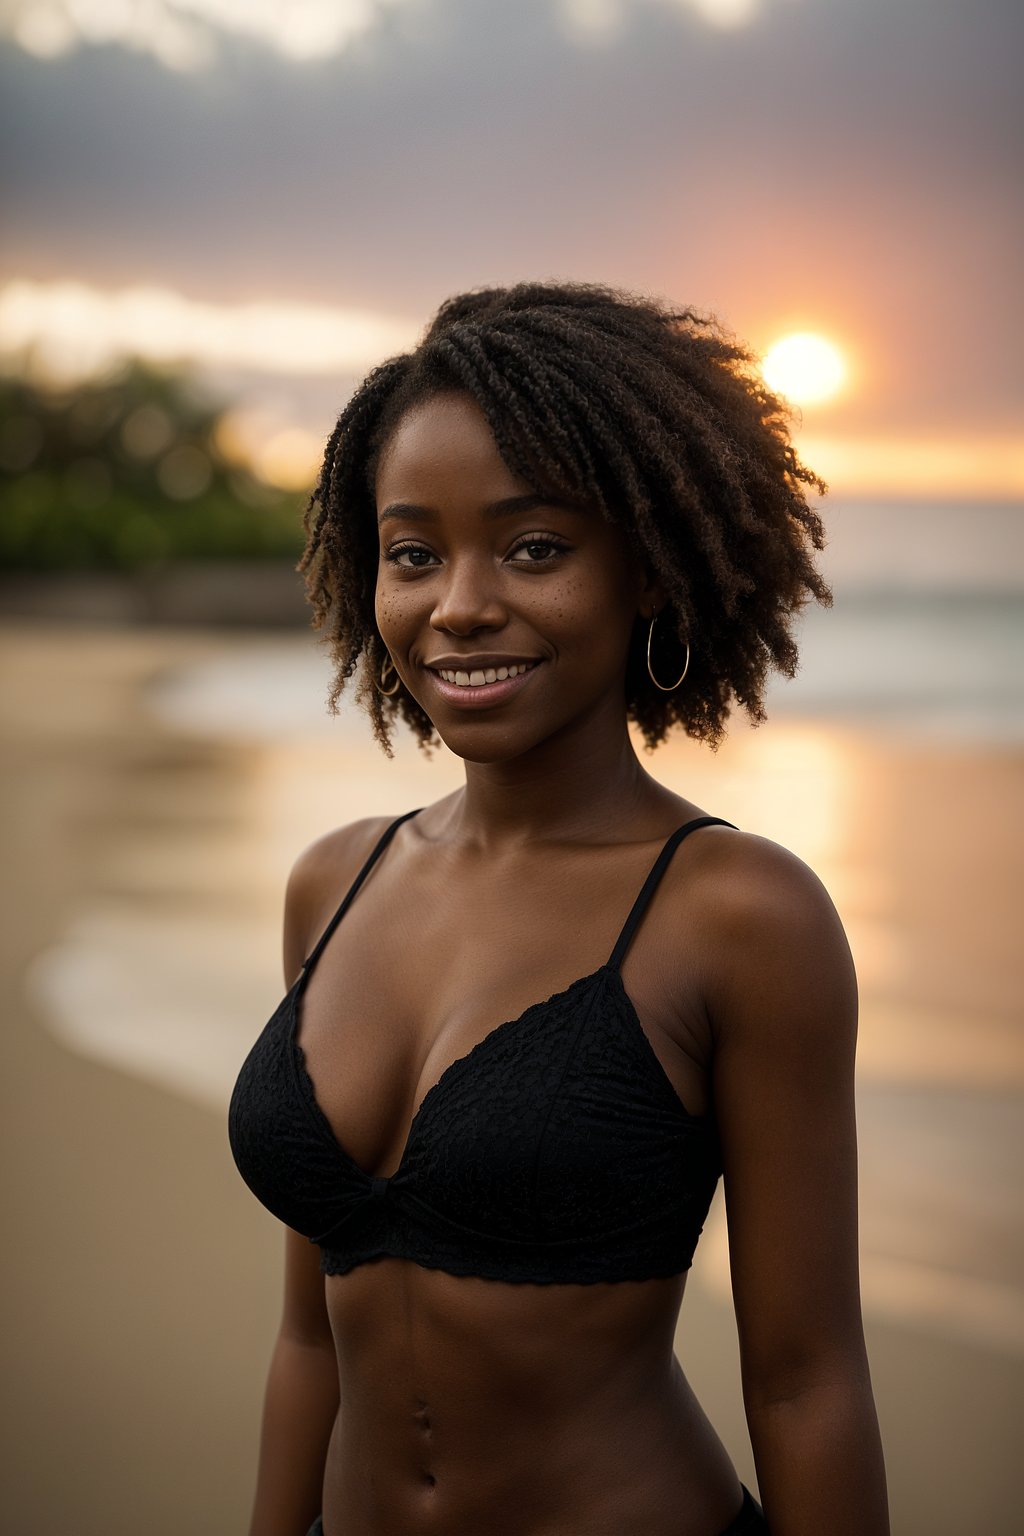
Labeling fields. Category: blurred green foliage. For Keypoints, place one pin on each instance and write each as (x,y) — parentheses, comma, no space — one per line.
(126,472)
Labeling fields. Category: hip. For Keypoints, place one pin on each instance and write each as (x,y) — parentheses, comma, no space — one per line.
(748,1521)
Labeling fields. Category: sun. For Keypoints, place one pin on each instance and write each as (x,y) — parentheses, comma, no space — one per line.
(805,367)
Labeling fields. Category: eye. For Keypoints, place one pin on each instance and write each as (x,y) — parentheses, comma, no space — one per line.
(538,548)
(418,557)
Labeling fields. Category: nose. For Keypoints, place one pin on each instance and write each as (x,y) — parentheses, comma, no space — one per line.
(468,598)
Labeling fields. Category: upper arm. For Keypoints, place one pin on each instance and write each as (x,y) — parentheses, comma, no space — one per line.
(784,1016)
(304,1316)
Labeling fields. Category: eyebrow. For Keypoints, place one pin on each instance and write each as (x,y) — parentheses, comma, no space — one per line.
(509,506)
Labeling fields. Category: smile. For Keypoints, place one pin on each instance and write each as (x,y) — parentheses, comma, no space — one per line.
(480,677)
(483,687)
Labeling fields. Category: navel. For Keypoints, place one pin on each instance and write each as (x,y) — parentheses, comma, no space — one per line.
(421,1418)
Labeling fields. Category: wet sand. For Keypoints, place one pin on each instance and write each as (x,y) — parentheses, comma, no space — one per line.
(145,855)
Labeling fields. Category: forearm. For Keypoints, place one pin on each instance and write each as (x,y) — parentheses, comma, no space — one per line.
(299,1410)
(819,1460)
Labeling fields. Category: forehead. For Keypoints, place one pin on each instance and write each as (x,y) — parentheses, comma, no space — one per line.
(441,446)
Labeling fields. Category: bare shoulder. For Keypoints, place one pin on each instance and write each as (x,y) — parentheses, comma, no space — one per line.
(749,881)
(320,864)
(317,881)
(777,954)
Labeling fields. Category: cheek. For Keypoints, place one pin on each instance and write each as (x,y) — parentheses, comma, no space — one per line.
(593,615)
(391,608)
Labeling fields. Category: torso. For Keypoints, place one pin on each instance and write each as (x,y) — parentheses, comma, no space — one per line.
(471,1404)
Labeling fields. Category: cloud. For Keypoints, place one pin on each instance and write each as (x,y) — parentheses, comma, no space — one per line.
(60,332)
(601,21)
(186,34)
(189,34)
(940,466)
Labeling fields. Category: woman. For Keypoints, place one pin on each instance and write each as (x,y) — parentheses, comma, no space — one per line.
(567,509)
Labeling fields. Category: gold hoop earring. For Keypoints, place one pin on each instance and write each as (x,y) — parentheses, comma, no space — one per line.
(665,687)
(388,693)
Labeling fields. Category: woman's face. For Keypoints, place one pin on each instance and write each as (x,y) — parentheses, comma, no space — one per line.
(508,617)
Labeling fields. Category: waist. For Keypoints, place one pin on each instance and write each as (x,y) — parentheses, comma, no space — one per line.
(629,1452)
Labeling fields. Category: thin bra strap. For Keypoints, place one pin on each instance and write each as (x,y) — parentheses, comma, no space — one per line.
(650,885)
(381,844)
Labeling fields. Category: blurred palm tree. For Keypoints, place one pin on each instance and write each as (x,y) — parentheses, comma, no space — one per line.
(127,472)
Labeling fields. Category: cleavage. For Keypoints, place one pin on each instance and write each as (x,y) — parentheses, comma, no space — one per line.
(372,1061)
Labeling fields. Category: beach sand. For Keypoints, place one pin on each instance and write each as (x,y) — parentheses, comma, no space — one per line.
(144,867)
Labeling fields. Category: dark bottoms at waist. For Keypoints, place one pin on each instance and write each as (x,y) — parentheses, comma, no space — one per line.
(750,1519)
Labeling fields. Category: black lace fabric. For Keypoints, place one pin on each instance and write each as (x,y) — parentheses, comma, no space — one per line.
(557,1150)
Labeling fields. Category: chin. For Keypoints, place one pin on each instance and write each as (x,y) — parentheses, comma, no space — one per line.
(484,743)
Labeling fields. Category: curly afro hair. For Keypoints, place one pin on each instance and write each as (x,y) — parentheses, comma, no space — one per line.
(655,417)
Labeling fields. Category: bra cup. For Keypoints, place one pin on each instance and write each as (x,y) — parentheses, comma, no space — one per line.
(619,1148)
(298,1176)
(556,1128)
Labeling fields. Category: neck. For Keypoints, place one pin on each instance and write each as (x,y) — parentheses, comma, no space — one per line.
(572,788)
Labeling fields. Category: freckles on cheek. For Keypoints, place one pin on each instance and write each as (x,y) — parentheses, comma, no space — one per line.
(392,618)
(583,608)
(384,604)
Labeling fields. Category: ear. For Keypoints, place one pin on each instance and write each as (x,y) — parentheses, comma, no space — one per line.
(652,594)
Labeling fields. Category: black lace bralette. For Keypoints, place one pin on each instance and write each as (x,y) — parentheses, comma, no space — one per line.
(555,1151)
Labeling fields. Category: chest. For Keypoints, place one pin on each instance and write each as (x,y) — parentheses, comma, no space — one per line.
(441,977)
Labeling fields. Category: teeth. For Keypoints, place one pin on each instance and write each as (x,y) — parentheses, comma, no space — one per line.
(479,677)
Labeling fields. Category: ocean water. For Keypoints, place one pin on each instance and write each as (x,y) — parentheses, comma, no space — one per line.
(925,638)
(925,547)
(926,635)
(946,665)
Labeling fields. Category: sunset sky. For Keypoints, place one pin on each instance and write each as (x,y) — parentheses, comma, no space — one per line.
(295,187)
